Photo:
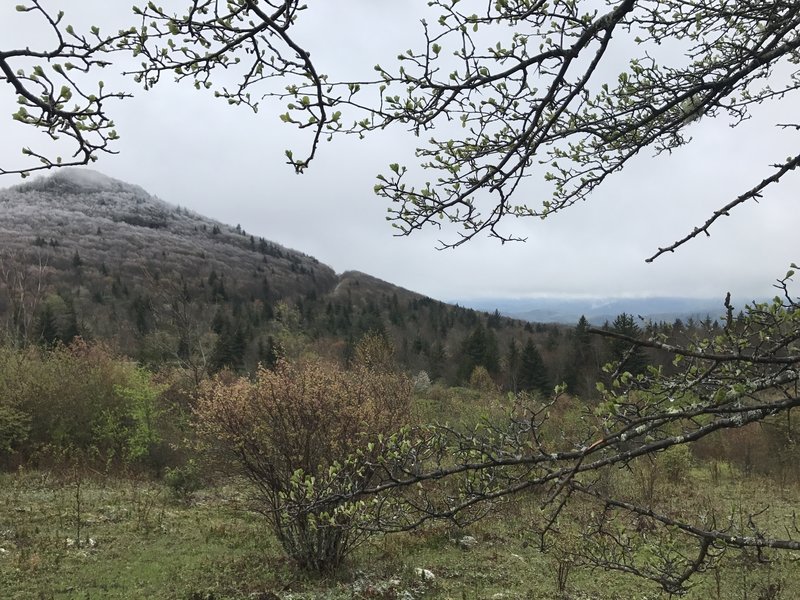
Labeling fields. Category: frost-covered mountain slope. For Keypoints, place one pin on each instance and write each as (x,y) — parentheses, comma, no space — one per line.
(119,228)
(82,254)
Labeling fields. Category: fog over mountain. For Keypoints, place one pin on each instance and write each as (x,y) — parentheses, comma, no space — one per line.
(599,310)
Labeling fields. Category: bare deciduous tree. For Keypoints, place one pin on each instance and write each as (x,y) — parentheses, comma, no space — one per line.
(23,280)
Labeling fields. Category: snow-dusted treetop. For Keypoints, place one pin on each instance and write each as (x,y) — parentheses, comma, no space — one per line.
(81,180)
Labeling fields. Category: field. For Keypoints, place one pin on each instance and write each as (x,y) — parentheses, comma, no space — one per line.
(113,494)
(86,535)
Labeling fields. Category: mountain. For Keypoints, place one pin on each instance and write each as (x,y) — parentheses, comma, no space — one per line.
(84,254)
(137,235)
(599,310)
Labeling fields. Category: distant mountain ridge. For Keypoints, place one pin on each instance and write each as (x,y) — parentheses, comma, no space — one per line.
(599,310)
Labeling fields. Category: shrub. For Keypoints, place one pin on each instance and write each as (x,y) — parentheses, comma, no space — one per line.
(15,423)
(80,397)
(139,417)
(481,380)
(305,435)
(183,480)
(422,382)
(14,427)
(676,463)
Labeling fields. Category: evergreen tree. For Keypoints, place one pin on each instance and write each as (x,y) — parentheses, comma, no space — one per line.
(141,310)
(512,366)
(57,321)
(582,336)
(437,359)
(582,363)
(69,329)
(533,375)
(228,351)
(269,353)
(494,320)
(491,356)
(479,349)
(395,313)
(46,325)
(634,359)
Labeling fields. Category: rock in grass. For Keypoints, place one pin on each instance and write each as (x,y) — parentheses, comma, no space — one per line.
(467,542)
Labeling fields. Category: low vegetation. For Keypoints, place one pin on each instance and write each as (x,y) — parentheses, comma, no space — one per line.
(78,534)
(263,487)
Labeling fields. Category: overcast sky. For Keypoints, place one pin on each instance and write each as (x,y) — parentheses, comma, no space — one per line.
(227,163)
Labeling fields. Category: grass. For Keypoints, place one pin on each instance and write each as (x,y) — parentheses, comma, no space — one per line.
(134,542)
(96,537)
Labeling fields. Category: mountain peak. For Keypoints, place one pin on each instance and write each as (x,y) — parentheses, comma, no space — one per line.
(86,178)
(77,180)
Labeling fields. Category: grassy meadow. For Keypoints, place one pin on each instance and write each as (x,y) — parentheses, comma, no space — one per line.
(69,533)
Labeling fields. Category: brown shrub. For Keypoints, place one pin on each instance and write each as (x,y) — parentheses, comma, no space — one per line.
(306,434)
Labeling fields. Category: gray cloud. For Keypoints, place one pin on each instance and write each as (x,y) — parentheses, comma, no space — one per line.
(228,163)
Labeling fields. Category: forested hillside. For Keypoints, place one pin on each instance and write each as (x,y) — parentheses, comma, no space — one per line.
(86,255)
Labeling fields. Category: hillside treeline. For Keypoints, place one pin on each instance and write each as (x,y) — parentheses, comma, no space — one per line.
(220,319)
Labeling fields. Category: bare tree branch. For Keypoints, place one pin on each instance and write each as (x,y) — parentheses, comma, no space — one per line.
(53,100)
(752,194)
